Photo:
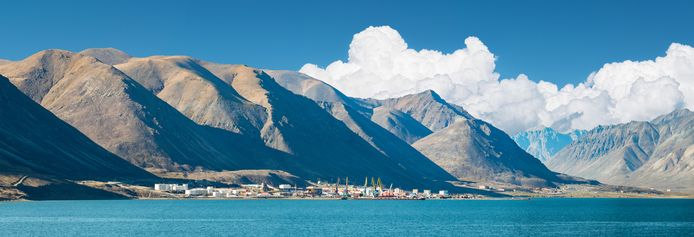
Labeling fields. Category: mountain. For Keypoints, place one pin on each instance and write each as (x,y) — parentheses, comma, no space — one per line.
(350,112)
(427,107)
(108,56)
(194,91)
(331,139)
(546,142)
(400,124)
(40,154)
(474,150)
(655,154)
(468,148)
(176,114)
(34,141)
(116,112)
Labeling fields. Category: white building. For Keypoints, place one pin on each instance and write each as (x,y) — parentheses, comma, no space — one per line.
(171,187)
(163,187)
(179,187)
(443,192)
(218,194)
(196,192)
(284,187)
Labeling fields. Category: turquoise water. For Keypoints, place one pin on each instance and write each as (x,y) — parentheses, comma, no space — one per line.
(535,217)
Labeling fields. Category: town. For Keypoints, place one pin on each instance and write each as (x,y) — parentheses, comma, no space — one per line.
(317,190)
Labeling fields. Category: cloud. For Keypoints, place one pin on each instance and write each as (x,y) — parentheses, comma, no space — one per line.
(380,65)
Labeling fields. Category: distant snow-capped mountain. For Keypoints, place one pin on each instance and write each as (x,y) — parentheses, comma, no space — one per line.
(546,142)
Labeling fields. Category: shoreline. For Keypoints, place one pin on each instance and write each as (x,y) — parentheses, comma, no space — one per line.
(351,199)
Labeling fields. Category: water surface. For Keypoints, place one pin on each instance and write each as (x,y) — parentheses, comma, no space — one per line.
(535,217)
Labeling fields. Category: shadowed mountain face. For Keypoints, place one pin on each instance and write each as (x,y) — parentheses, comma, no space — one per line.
(658,154)
(545,143)
(33,141)
(355,117)
(328,135)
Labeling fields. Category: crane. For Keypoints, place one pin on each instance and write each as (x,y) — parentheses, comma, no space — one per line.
(366,182)
(337,186)
(380,186)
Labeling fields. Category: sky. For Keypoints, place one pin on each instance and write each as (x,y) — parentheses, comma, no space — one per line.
(521,65)
(557,41)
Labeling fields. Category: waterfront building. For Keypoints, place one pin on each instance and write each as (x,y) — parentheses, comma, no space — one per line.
(314,191)
(285,187)
(171,187)
(163,187)
(196,192)
(218,194)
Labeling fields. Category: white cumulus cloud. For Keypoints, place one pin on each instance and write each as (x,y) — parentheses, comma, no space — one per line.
(380,65)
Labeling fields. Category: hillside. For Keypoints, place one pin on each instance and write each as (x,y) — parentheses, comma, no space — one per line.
(657,153)
(116,112)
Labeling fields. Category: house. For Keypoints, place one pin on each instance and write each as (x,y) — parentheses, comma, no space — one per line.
(196,192)
(285,187)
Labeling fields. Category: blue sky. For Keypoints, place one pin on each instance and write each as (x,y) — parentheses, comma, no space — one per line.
(557,41)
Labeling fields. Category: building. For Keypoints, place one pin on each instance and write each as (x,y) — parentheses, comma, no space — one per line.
(443,193)
(180,187)
(285,187)
(196,192)
(218,195)
(163,187)
(314,191)
(171,187)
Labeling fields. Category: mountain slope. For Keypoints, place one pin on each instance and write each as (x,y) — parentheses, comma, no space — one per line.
(348,111)
(468,148)
(33,141)
(545,143)
(196,92)
(655,154)
(474,150)
(427,107)
(108,56)
(399,123)
(115,111)
(320,141)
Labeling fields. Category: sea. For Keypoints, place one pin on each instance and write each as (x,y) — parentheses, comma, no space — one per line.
(532,217)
